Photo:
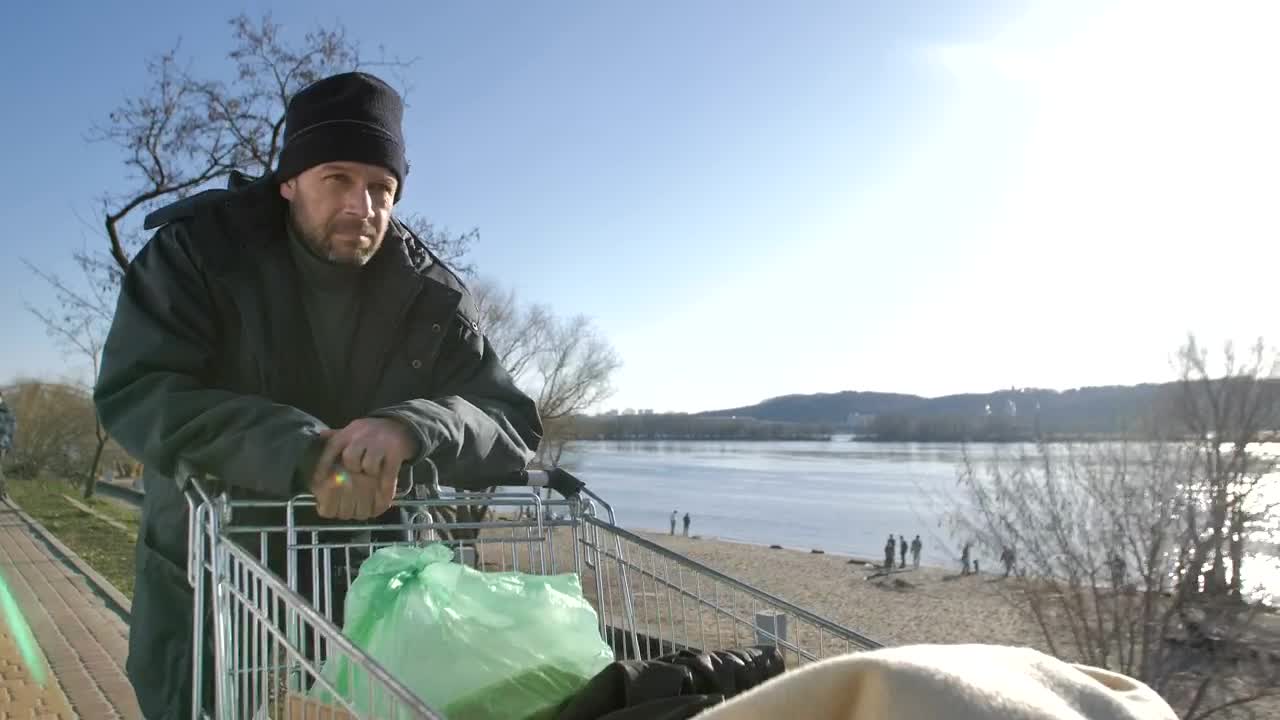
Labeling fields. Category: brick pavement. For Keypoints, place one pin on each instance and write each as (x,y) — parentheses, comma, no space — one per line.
(81,634)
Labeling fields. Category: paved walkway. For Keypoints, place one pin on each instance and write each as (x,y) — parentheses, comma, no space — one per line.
(81,633)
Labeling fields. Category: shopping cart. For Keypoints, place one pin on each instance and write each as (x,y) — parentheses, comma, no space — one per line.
(270,641)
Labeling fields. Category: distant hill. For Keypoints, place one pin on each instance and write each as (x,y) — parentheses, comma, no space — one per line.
(1005,414)
(825,408)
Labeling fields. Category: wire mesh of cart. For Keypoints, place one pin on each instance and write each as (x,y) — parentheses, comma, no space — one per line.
(268,592)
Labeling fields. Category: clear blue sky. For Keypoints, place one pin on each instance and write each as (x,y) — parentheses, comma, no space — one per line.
(752,198)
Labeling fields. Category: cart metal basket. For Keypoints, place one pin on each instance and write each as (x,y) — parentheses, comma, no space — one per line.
(267,593)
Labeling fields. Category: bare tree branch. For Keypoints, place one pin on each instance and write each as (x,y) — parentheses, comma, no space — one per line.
(1113,539)
(564,364)
(450,248)
(80,326)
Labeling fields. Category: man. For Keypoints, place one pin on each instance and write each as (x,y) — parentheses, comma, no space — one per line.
(916,547)
(8,428)
(283,332)
(687,520)
(902,547)
(673,523)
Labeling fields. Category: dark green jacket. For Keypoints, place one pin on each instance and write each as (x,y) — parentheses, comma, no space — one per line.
(209,359)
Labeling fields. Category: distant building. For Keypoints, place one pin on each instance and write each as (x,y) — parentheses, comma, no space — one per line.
(629,411)
(858,421)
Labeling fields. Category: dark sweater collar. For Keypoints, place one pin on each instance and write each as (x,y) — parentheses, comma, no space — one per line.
(318,272)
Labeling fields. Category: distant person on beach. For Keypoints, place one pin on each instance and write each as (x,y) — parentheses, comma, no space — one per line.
(902,546)
(8,428)
(1008,558)
(673,523)
(916,546)
(964,560)
(889,553)
(686,524)
(1118,571)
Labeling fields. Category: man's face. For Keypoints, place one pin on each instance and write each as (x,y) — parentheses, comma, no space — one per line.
(341,209)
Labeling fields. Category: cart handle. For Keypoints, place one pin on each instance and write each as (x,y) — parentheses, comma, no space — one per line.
(557,479)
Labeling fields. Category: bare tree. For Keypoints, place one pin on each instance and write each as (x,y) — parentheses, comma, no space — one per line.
(452,248)
(1224,415)
(575,374)
(565,364)
(1111,540)
(80,327)
(54,429)
(519,335)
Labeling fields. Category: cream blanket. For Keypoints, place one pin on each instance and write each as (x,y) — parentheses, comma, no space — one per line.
(961,682)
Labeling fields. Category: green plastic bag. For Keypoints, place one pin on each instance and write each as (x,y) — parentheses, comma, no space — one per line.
(473,645)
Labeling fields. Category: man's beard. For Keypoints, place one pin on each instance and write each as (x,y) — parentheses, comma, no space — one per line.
(322,244)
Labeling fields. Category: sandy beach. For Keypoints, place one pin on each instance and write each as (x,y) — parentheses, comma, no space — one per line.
(921,605)
(925,605)
(908,606)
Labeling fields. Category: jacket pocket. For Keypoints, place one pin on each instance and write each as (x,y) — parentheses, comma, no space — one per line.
(160,637)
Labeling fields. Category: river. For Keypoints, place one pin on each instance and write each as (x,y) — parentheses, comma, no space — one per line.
(838,496)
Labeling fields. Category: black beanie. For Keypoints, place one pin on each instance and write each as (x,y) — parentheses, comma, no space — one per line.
(352,117)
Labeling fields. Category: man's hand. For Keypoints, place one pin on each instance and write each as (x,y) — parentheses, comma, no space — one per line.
(349,496)
(355,477)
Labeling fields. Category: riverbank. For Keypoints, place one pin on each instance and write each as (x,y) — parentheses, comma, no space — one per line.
(923,605)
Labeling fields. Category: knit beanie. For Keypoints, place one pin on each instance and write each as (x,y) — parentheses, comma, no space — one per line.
(352,117)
